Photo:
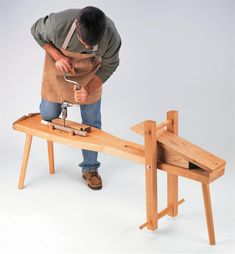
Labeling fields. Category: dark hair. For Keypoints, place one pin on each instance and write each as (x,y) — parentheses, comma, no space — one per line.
(91,25)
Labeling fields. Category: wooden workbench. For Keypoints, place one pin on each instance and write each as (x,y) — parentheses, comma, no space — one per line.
(163,149)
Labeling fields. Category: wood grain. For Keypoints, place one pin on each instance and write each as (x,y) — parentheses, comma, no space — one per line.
(208,212)
(151,173)
(27,146)
(50,148)
(71,124)
(172,180)
(98,140)
(186,149)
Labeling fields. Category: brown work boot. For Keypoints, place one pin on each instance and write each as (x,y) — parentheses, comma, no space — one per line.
(92,179)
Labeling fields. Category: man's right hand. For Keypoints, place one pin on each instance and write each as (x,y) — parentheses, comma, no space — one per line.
(64,64)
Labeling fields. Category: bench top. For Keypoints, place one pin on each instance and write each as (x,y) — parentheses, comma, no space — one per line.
(97,140)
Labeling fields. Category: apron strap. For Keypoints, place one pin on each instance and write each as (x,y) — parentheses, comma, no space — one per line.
(69,35)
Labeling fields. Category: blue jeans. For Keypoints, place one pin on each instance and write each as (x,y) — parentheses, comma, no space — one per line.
(90,114)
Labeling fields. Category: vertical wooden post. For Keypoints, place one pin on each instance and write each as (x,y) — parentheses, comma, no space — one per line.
(27,146)
(172,180)
(151,173)
(208,211)
(51,157)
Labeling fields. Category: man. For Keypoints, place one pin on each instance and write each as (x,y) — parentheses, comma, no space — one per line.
(83,44)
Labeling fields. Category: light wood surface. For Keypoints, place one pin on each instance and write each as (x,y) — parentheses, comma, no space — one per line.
(101,141)
(27,146)
(51,157)
(193,174)
(186,149)
(208,212)
(172,157)
(210,167)
(139,128)
(151,173)
(98,140)
(191,152)
(172,180)
(61,127)
(71,124)
(162,213)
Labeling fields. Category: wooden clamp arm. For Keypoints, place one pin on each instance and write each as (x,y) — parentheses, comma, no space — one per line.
(139,128)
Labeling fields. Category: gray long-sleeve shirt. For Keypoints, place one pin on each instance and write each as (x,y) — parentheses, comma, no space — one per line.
(53,29)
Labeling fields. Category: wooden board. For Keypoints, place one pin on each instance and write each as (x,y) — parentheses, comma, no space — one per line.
(174,158)
(71,124)
(194,154)
(164,154)
(197,174)
(191,152)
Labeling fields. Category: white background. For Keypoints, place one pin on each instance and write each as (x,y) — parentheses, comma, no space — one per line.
(175,55)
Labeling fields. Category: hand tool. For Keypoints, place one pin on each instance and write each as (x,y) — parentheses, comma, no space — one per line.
(66,104)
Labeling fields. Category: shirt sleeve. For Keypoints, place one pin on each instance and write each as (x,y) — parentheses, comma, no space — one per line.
(110,59)
(43,30)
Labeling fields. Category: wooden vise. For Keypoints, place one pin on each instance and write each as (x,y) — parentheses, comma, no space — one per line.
(166,151)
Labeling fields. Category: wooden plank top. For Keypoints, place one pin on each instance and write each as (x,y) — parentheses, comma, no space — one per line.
(98,140)
(186,149)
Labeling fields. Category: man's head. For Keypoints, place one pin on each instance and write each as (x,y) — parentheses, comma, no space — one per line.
(91,25)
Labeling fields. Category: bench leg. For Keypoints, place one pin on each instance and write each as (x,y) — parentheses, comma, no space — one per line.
(172,180)
(51,157)
(24,164)
(172,194)
(151,174)
(208,211)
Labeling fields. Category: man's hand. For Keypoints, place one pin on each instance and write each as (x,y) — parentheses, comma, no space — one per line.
(80,95)
(64,64)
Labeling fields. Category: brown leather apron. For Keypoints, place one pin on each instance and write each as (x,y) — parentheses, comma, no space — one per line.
(56,89)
